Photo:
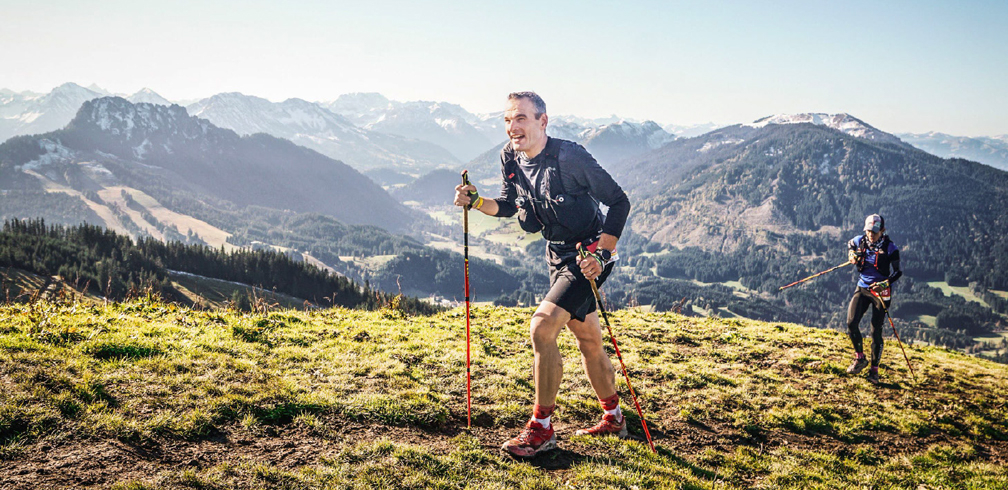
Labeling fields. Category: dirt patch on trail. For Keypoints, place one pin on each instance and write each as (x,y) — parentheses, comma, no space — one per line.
(99,463)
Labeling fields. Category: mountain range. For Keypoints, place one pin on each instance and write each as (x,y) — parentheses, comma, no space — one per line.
(766,203)
(991,150)
(750,205)
(32,113)
(310,125)
(464,134)
(165,152)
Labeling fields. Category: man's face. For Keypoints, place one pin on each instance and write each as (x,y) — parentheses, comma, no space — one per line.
(873,236)
(523,129)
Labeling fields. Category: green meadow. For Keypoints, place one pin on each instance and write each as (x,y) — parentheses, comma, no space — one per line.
(145,394)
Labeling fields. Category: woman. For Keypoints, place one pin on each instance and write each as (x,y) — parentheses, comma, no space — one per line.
(878,262)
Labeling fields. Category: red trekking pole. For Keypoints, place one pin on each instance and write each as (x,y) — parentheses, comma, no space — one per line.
(465,239)
(813,276)
(886,310)
(598,300)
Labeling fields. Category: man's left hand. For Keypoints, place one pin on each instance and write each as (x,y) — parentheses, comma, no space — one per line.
(880,286)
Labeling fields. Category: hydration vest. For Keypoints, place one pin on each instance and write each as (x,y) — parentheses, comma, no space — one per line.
(561,216)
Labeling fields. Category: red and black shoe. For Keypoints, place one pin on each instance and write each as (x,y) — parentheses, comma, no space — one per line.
(533,440)
(608,426)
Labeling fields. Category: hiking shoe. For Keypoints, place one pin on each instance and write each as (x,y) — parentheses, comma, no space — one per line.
(873,377)
(858,365)
(532,440)
(607,426)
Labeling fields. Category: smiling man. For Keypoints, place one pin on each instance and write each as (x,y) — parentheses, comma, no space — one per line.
(554,186)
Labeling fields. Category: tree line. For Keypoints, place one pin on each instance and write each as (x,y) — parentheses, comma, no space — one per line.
(108,264)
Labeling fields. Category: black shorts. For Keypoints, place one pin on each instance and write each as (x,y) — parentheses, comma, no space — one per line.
(568,287)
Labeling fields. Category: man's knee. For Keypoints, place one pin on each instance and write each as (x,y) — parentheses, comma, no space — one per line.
(589,345)
(543,330)
(587,333)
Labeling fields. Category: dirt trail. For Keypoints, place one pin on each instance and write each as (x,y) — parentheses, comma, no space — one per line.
(98,463)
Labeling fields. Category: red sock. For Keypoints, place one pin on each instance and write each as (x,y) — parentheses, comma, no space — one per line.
(610,403)
(541,412)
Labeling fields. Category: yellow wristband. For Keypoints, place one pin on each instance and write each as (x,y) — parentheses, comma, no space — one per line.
(479,203)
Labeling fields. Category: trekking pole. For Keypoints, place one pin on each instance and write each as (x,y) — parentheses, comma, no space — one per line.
(813,276)
(886,310)
(465,241)
(598,300)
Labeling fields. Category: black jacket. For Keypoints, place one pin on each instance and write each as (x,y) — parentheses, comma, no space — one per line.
(566,201)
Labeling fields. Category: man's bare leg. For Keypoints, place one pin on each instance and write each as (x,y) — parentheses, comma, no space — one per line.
(547,370)
(596,362)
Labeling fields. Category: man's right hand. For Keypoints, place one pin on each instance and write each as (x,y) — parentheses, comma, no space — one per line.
(853,256)
(462,194)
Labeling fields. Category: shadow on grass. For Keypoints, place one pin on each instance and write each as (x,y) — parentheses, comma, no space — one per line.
(556,459)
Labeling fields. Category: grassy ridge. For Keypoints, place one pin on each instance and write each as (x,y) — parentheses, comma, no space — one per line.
(733,403)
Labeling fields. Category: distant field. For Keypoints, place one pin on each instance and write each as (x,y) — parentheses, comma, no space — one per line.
(740,290)
(213,236)
(510,234)
(1003,294)
(215,293)
(960,290)
(995,337)
(474,251)
(373,262)
(479,223)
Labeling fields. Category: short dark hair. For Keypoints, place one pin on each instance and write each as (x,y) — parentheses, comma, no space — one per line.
(537,102)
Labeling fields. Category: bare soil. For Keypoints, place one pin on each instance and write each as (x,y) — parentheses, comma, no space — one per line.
(99,463)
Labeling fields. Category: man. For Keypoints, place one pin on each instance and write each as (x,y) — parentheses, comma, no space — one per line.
(875,255)
(554,186)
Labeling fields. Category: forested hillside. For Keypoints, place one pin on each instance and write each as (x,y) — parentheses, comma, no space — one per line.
(756,208)
(99,261)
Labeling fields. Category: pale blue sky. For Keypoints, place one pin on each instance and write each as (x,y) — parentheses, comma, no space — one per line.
(901,66)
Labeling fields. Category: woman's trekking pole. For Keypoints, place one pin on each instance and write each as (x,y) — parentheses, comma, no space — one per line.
(813,276)
(886,310)
(465,241)
(598,299)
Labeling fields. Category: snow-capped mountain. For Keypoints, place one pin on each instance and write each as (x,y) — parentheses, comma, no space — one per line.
(448,125)
(608,143)
(990,150)
(468,135)
(841,122)
(149,96)
(316,127)
(361,108)
(614,141)
(691,130)
(647,135)
(31,113)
